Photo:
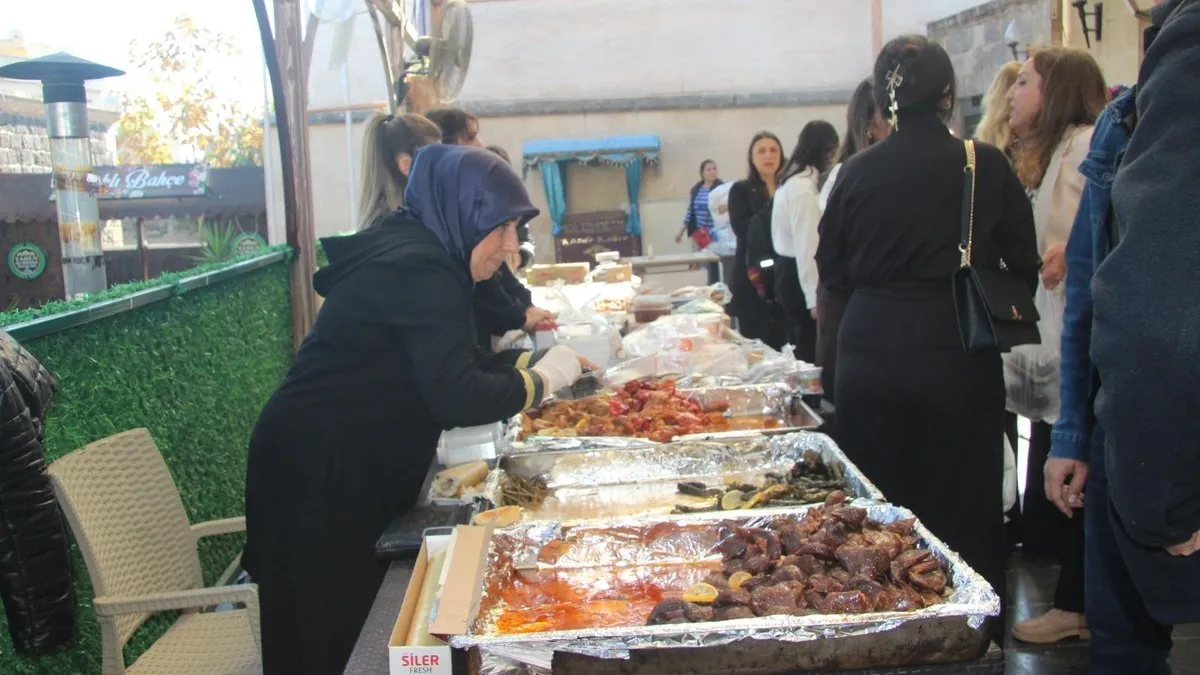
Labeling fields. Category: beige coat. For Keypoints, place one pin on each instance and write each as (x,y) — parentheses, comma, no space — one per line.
(1062,188)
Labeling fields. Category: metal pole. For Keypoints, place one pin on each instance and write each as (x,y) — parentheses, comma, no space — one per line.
(78,212)
(349,118)
(289,84)
(274,233)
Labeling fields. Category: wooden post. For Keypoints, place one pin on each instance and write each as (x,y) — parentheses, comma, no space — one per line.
(284,52)
(145,258)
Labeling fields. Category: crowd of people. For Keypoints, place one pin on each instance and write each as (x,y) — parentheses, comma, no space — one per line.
(845,249)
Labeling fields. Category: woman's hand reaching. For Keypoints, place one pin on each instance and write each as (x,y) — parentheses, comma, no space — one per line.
(534,316)
(1054,266)
(559,368)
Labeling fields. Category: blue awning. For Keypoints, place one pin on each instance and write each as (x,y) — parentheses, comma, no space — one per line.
(616,150)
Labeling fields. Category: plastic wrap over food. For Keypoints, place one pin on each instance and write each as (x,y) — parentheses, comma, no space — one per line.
(616,482)
(697,352)
(601,557)
(775,401)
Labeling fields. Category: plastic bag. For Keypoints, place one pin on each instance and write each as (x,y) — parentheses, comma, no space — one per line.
(1031,372)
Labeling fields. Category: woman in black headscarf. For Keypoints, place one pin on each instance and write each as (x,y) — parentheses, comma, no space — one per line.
(344,444)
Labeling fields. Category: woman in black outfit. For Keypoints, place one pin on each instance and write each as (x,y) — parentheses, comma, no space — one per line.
(758,316)
(344,445)
(921,417)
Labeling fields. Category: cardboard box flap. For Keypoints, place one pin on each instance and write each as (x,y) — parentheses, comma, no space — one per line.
(458,603)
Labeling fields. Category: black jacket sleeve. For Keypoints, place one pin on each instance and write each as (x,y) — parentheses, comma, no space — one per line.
(515,290)
(434,318)
(496,311)
(740,209)
(831,265)
(1147,300)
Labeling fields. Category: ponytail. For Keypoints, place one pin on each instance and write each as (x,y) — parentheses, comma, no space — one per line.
(385,139)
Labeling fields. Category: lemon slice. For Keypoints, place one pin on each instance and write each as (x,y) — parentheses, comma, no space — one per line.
(732,500)
(701,594)
(737,579)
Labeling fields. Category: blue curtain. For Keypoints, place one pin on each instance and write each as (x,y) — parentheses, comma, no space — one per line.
(633,183)
(556,195)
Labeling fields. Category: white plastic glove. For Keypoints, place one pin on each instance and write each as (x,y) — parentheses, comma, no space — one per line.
(559,368)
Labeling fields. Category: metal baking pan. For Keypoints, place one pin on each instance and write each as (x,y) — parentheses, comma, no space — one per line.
(648,548)
(776,400)
(643,479)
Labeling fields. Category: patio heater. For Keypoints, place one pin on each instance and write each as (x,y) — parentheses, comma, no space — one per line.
(75,187)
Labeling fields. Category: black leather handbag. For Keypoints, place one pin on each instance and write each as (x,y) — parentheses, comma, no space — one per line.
(994,308)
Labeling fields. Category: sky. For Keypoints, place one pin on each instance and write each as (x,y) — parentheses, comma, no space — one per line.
(102,32)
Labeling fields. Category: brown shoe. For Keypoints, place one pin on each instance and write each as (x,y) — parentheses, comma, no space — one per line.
(1051,627)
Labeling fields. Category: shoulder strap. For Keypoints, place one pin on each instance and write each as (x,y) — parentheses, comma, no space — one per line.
(968,205)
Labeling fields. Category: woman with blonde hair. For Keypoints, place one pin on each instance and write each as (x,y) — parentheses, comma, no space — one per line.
(390,142)
(1054,103)
(993,127)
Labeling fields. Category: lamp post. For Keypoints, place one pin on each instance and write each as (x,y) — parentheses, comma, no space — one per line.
(62,77)
(1012,38)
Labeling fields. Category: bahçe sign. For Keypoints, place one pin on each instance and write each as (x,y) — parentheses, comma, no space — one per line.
(148,181)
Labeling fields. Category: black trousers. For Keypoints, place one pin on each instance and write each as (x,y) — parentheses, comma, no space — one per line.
(800,329)
(925,424)
(1044,530)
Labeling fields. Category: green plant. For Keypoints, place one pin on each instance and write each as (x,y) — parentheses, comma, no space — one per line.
(216,242)
(195,370)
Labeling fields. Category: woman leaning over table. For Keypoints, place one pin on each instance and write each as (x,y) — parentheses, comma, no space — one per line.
(343,446)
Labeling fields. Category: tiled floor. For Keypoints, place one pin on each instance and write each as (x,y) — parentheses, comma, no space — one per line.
(1031,585)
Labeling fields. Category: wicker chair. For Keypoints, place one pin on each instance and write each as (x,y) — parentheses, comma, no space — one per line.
(140,551)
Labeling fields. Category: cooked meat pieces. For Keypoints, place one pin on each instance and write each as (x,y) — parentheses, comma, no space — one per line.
(733,546)
(780,598)
(851,515)
(717,580)
(822,583)
(732,598)
(833,560)
(757,564)
(699,613)
(732,613)
(864,561)
(888,541)
(823,551)
(933,580)
(788,573)
(668,611)
(791,538)
(847,602)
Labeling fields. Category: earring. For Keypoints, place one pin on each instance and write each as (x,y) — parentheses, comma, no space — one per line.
(894,79)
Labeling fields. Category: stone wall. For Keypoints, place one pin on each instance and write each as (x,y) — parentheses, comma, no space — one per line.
(976,43)
(25,147)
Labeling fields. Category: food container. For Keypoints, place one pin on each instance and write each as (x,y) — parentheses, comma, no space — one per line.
(742,402)
(641,479)
(807,381)
(593,341)
(632,559)
(647,308)
(467,444)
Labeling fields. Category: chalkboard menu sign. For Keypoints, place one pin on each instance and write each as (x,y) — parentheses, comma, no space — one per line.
(586,234)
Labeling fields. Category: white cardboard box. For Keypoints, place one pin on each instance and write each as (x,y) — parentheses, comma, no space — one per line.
(405,659)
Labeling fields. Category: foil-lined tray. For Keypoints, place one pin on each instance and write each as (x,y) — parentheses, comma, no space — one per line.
(642,480)
(651,546)
(775,400)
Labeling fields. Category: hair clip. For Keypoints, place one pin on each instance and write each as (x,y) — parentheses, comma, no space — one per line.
(895,78)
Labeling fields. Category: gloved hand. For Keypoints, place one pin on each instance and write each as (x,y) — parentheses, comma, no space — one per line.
(559,368)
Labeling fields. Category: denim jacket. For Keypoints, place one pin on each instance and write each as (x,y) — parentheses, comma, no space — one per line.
(1075,431)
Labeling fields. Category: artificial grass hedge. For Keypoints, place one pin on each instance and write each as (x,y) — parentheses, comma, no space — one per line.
(195,370)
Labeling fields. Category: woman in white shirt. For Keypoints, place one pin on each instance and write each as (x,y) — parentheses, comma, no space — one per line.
(794,220)
(865,127)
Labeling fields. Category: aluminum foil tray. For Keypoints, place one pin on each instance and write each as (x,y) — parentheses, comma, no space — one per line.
(778,400)
(642,480)
(651,547)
